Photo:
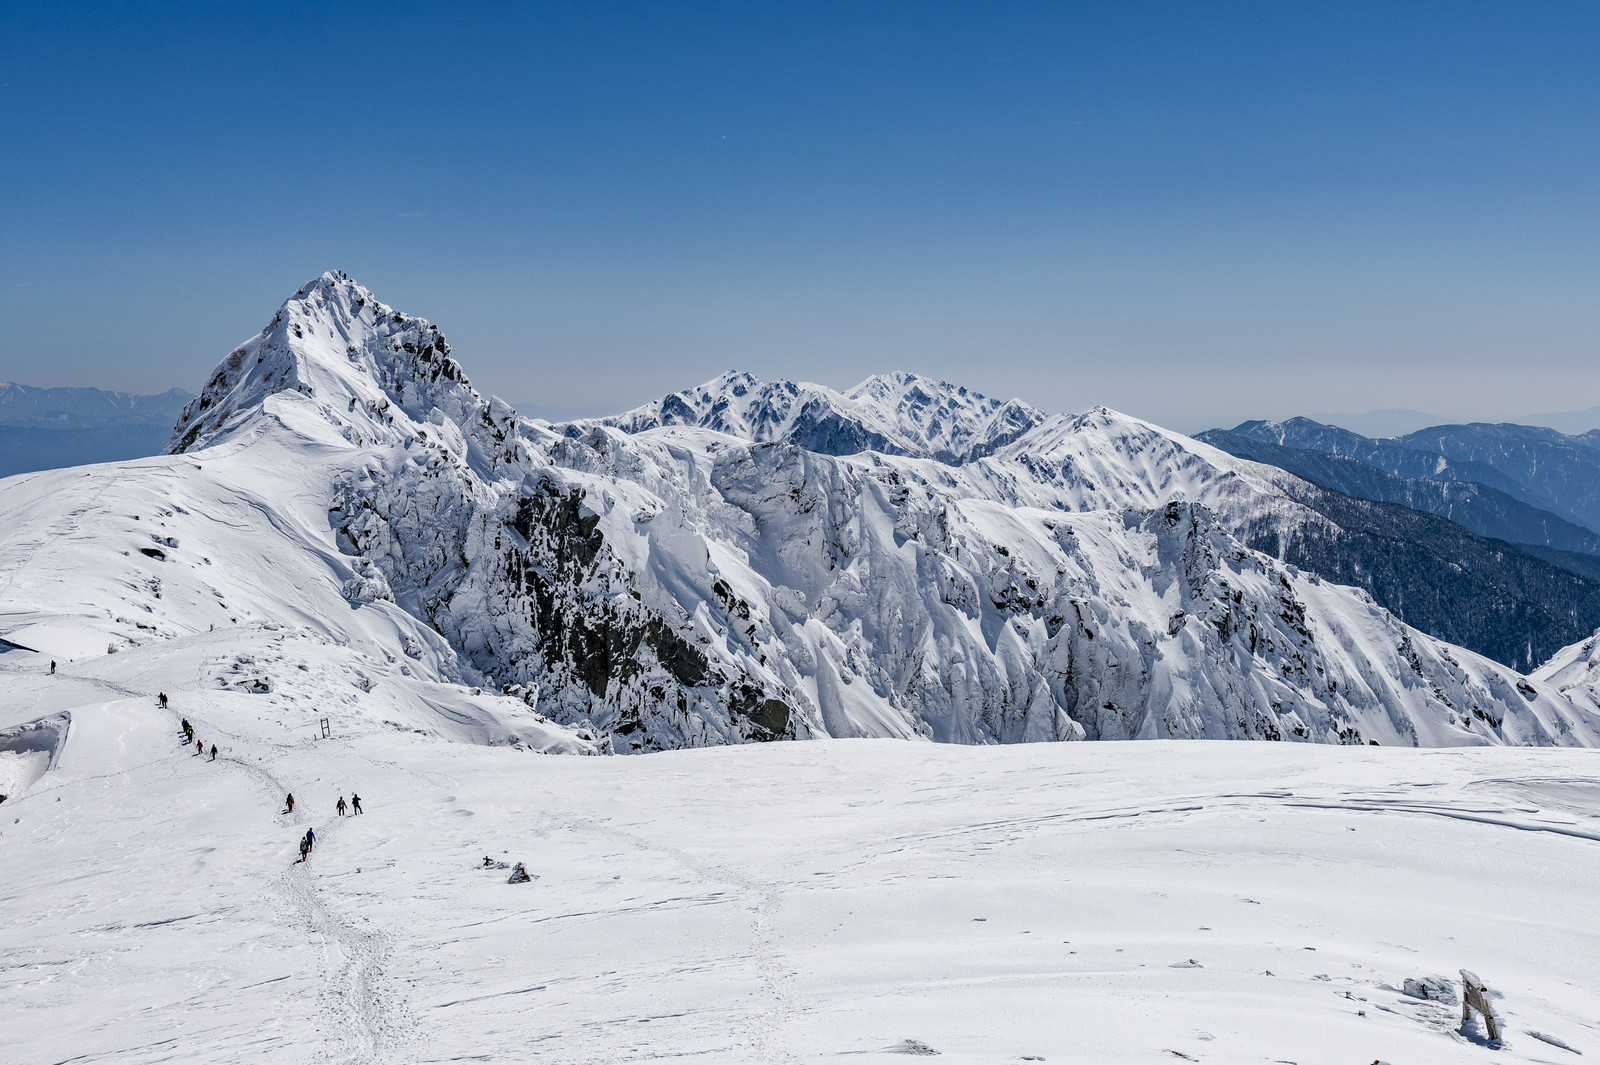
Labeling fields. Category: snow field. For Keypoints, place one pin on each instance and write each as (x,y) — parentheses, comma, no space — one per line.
(776,903)
(358,536)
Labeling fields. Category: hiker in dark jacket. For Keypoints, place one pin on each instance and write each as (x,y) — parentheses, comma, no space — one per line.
(290,802)
(340,806)
(213,752)
(355,802)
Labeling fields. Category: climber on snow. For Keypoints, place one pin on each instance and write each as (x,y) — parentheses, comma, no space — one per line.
(290,802)
(213,752)
(340,806)
(161,700)
(355,802)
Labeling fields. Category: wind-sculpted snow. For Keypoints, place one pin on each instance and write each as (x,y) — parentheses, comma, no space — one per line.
(682,586)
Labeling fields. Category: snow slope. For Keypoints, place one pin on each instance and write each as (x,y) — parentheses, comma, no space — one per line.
(1575,670)
(770,903)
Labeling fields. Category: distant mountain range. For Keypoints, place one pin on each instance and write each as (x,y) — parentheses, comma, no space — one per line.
(1545,469)
(47,428)
(1400,421)
(1456,528)
(1489,512)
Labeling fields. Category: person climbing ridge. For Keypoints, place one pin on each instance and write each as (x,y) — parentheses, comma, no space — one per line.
(355,802)
(161,700)
(340,806)
(199,747)
(311,838)
(290,802)
(305,848)
(213,752)
(52,667)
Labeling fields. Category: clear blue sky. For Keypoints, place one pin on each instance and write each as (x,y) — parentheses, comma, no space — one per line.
(1194,212)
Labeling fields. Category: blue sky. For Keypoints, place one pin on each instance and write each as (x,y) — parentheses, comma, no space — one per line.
(1193,212)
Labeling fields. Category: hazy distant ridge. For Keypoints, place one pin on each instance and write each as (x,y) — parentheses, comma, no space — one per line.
(49,428)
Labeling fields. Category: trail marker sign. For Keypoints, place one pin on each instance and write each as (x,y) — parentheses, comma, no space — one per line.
(1474,996)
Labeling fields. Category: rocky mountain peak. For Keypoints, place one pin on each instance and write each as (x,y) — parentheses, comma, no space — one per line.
(358,362)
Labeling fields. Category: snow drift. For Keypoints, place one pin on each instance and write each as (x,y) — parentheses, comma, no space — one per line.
(30,750)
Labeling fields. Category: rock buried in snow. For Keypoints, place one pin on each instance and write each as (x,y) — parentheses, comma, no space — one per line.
(1431,988)
(519,874)
(911,1046)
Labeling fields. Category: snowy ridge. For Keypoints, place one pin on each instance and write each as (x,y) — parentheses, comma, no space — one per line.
(681,586)
(944,421)
(896,414)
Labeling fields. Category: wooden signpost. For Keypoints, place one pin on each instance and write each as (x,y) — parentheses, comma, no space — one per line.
(1474,996)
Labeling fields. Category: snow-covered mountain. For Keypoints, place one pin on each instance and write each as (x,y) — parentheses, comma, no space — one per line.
(896,414)
(704,579)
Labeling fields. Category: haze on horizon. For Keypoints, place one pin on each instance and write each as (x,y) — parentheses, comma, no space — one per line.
(1193,215)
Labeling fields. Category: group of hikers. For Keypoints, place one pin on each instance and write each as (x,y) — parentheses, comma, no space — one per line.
(310,838)
(188,732)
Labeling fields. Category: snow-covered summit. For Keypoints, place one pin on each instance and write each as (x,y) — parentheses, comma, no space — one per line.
(361,363)
(894,414)
(943,421)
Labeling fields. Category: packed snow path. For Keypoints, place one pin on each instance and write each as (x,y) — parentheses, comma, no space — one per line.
(1137,902)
